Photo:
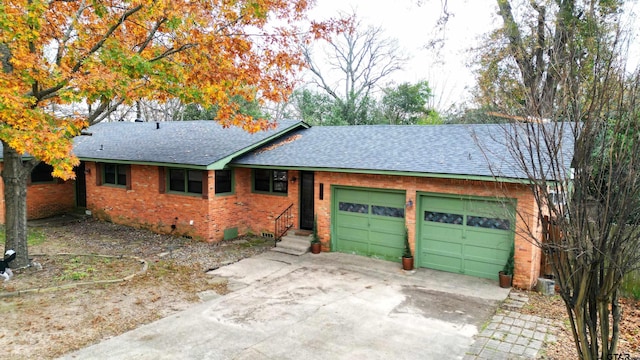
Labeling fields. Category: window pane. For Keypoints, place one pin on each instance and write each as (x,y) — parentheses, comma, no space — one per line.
(223,181)
(280,181)
(261,180)
(279,176)
(489,223)
(42,173)
(353,207)
(280,186)
(122,175)
(109,173)
(445,218)
(387,211)
(195,181)
(176,179)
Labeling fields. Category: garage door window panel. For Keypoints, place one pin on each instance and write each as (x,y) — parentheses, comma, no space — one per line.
(387,211)
(443,218)
(489,223)
(353,207)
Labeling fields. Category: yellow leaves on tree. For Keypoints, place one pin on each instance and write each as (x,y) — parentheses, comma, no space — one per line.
(103,53)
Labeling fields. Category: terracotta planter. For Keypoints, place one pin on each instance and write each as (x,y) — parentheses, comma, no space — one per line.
(505,280)
(316,248)
(407,263)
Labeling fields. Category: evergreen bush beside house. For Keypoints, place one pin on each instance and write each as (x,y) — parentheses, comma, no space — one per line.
(314,238)
(508,267)
(407,248)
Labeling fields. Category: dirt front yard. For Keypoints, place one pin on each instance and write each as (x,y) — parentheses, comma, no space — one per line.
(95,280)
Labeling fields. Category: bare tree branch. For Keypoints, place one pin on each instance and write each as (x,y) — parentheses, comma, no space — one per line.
(362,59)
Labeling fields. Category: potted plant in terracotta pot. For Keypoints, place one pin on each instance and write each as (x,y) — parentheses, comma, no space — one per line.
(407,257)
(316,247)
(506,275)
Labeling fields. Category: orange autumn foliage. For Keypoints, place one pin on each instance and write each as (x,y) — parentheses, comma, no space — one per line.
(103,52)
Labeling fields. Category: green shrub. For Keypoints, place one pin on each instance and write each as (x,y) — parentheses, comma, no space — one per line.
(407,248)
(508,267)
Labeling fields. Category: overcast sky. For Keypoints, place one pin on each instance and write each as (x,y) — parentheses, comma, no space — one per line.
(413,27)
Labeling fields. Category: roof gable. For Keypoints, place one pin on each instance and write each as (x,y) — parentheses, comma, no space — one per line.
(198,144)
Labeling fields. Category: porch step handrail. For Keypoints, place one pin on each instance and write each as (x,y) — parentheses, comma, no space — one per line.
(284,222)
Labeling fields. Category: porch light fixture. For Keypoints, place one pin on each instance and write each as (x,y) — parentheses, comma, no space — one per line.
(293,179)
(409,203)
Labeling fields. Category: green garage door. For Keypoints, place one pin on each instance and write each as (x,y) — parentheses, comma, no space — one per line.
(467,236)
(369,222)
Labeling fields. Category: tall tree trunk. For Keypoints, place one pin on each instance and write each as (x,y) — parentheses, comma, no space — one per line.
(14,175)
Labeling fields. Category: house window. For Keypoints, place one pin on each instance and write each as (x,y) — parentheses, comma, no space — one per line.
(262,180)
(557,198)
(186,181)
(271,181)
(115,174)
(42,173)
(224,182)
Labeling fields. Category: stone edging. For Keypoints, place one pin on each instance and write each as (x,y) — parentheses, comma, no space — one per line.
(144,263)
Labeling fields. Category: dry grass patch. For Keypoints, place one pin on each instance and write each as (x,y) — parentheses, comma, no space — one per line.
(74,307)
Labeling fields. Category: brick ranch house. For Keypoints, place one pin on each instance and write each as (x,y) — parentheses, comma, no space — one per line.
(363,184)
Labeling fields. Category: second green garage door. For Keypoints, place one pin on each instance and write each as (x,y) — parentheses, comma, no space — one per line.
(467,236)
(369,222)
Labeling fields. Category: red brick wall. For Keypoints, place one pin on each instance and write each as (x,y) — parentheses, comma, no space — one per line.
(224,214)
(225,211)
(145,207)
(527,256)
(44,200)
(257,212)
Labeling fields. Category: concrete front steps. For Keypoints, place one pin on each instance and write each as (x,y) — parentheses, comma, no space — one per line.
(295,242)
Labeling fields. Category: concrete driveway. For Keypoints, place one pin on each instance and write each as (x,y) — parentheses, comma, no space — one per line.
(326,306)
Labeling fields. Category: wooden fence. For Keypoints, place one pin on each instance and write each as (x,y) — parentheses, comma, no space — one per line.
(551,235)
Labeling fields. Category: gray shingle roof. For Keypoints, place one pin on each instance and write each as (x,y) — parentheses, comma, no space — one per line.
(196,143)
(442,149)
